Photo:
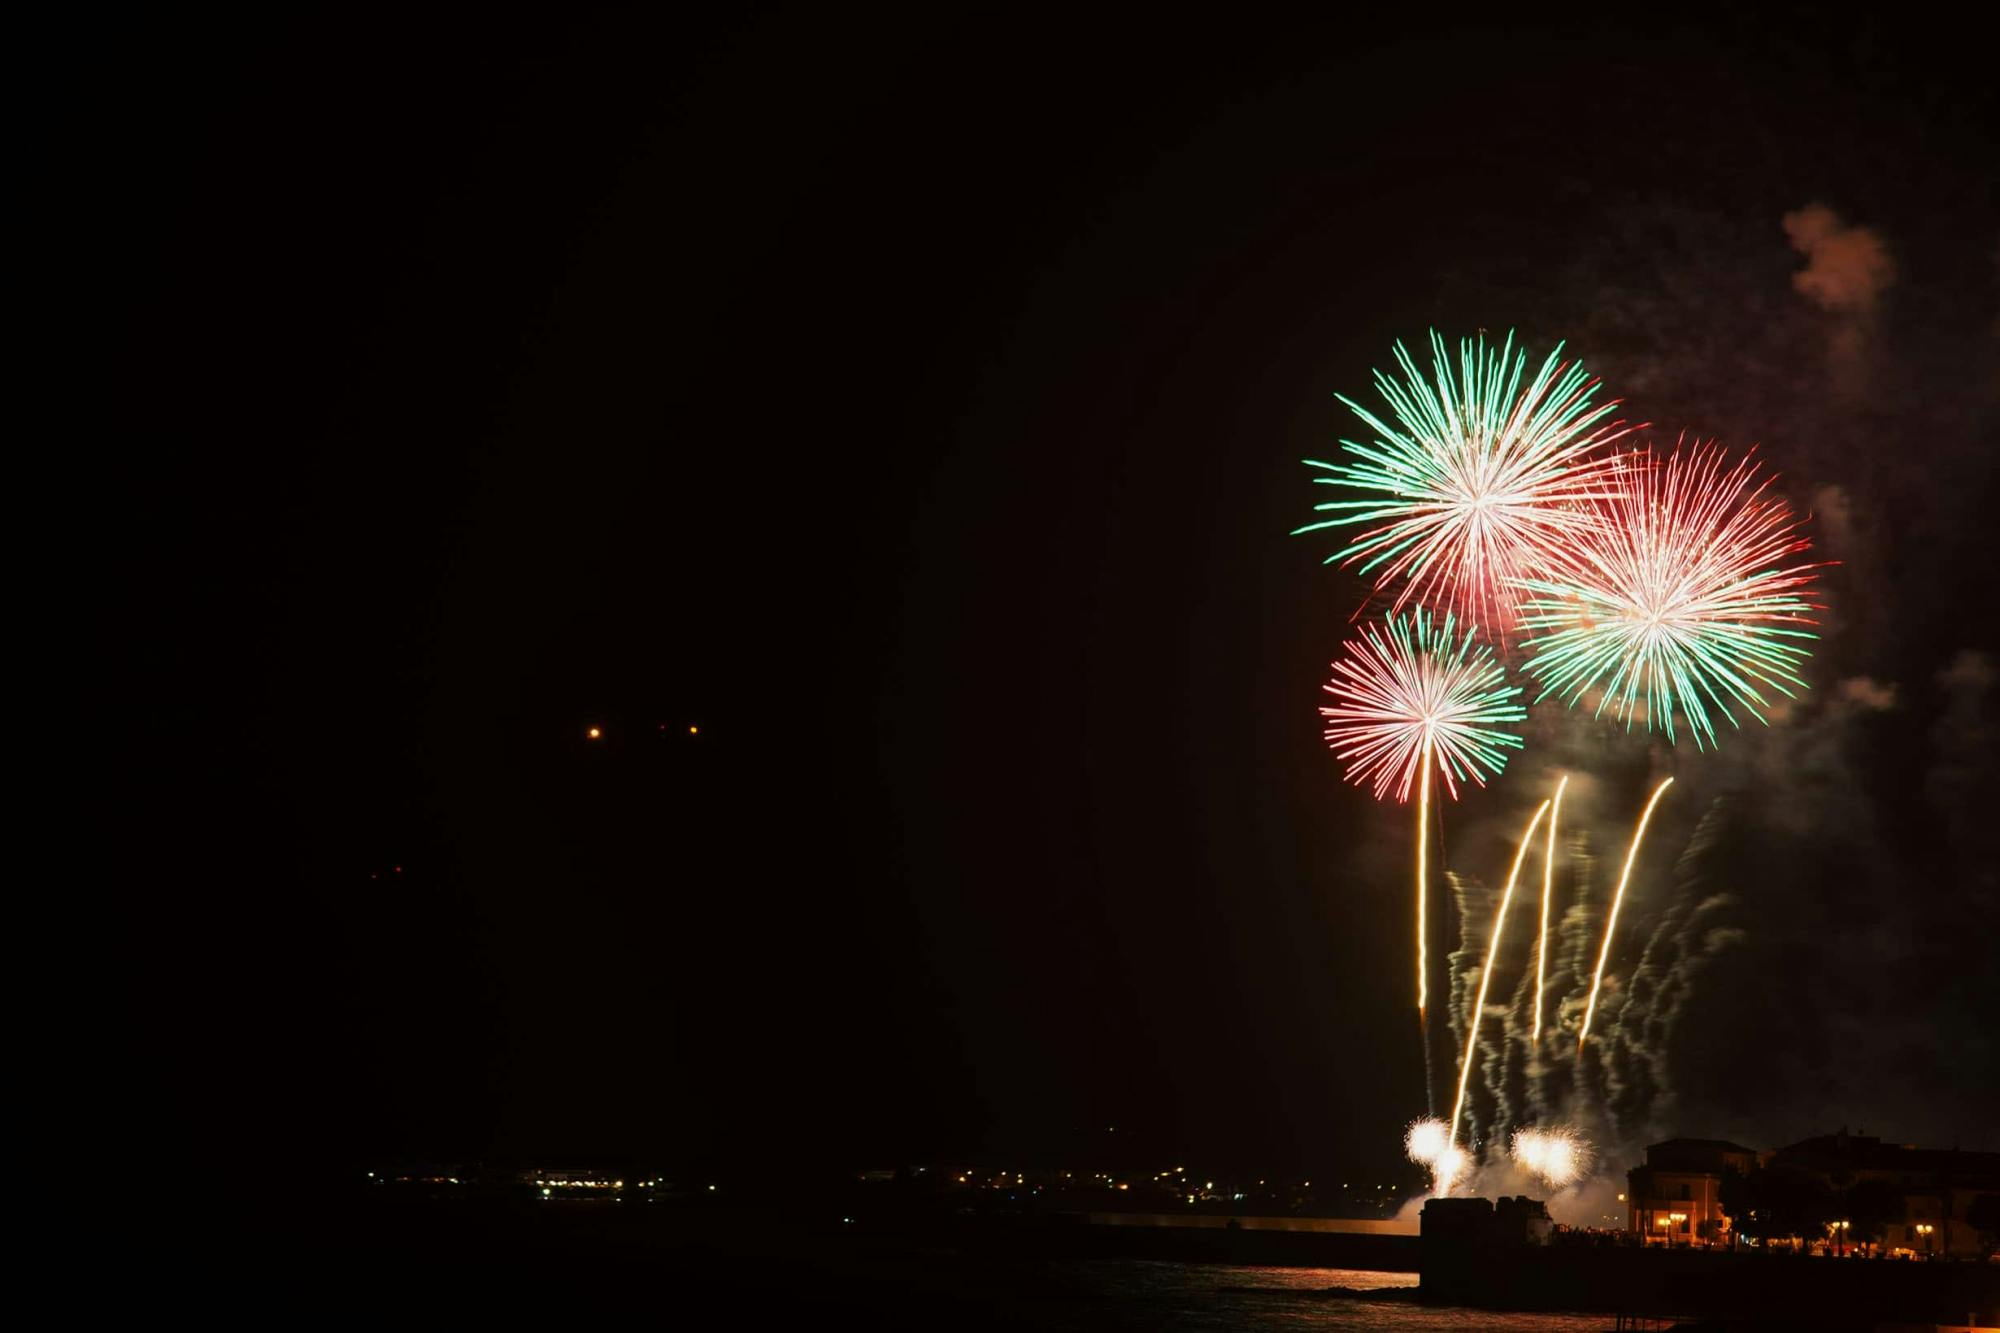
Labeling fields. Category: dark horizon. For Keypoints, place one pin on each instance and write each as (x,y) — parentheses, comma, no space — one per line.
(917,412)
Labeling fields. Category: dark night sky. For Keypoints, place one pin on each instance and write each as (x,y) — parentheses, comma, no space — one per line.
(916,409)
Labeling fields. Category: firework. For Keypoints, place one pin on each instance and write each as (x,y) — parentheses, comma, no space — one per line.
(1486,971)
(1548,884)
(1418,690)
(1678,601)
(1426,1140)
(1617,900)
(1479,481)
(1412,695)
(1450,1166)
(1557,1154)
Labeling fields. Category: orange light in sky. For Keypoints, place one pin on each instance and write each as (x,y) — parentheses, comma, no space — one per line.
(594,733)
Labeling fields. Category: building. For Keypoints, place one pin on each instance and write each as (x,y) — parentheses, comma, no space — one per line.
(1936,1186)
(1676,1197)
(1921,1207)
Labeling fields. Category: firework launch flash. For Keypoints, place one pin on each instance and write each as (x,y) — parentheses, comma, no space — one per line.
(1556,1154)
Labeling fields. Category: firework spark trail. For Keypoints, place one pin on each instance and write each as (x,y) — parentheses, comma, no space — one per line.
(1637,1044)
(1635,1048)
(1630,1082)
(1548,885)
(1423,936)
(1545,1073)
(1474,908)
(1486,970)
(1617,900)
(1679,597)
(1509,1068)
(1478,483)
(1528,1085)
(1411,696)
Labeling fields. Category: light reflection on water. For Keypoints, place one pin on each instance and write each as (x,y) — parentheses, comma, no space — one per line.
(1139,1294)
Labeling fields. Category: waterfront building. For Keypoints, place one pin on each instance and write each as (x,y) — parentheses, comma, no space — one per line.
(1936,1187)
(1676,1197)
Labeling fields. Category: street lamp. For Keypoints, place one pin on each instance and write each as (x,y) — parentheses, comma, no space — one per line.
(1925,1229)
(1838,1232)
(1679,1220)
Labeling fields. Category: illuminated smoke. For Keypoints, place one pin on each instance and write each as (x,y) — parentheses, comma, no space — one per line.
(1847,268)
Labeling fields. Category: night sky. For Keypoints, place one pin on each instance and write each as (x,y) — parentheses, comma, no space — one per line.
(916,410)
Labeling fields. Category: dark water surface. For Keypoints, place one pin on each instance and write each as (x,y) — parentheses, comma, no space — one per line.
(405,1267)
(1138,1294)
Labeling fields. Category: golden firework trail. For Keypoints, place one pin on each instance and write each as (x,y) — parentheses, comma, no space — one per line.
(1548,883)
(1617,899)
(1486,972)
(1423,826)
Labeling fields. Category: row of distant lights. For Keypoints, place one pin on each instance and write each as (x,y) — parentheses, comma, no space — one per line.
(1000,1181)
(597,733)
(547,1186)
